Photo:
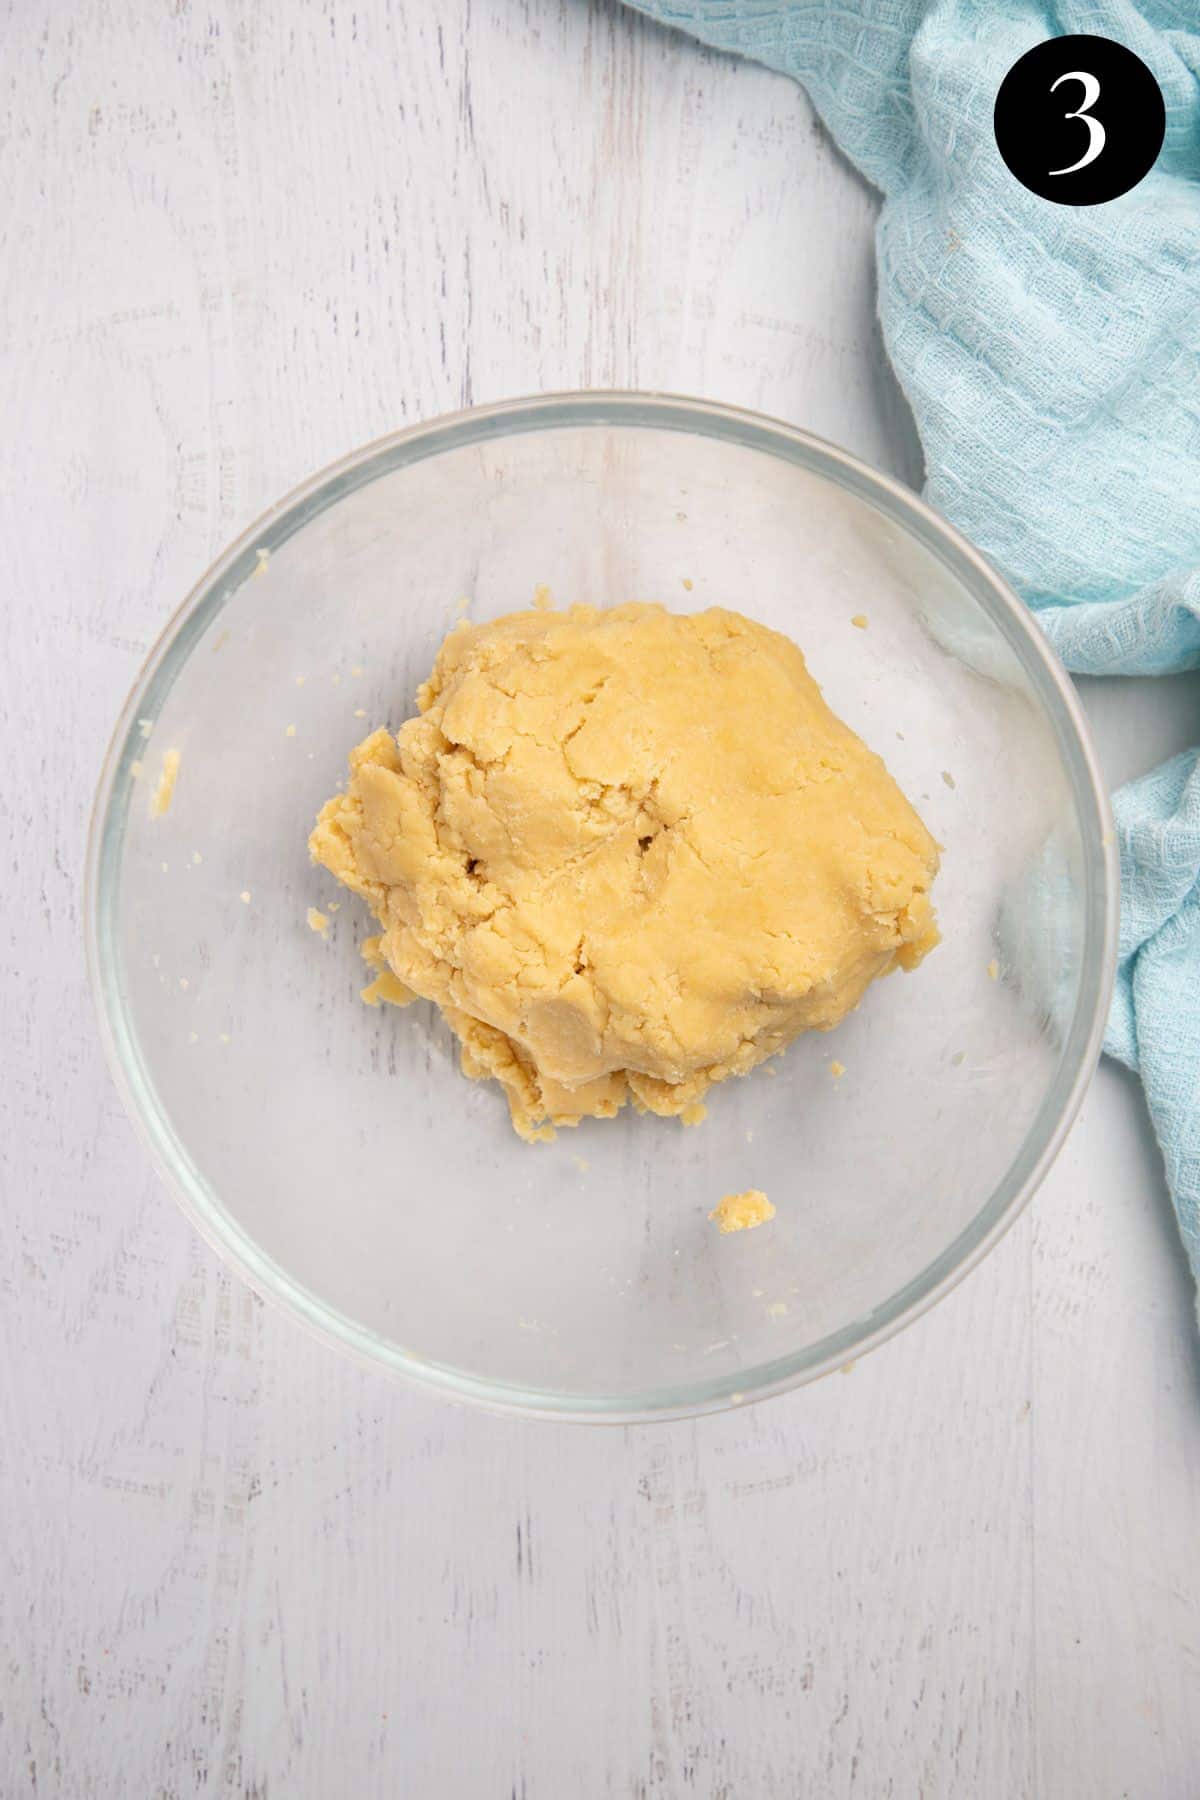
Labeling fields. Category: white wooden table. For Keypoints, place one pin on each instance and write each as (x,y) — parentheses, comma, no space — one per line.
(240,237)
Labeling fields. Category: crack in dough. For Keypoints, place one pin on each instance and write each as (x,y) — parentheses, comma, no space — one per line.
(629,854)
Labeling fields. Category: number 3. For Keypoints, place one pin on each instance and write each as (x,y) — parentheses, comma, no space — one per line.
(1091,93)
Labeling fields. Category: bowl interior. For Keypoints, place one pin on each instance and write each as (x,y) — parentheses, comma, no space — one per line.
(336,1152)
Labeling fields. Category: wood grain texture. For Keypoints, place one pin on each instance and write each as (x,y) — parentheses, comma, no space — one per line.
(237,240)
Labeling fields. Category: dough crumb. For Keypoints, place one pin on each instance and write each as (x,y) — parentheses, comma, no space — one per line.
(290,732)
(184,983)
(543,600)
(317,921)
(957,1060)
(581,1163)
(193,1037)
(300,680)
(993,970)
(948,778)
(145,727)
(688,583)
(164,792)
(137,769)
(742,1212)
(262,559)
(356,670)
(386,990)
(244,896)
(225,1037)
(360,712)
(860,621)
(557,851)
(837,1070)
(196,857)
(777,1309)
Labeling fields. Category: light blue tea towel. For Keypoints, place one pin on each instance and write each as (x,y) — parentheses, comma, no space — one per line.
(1051,356)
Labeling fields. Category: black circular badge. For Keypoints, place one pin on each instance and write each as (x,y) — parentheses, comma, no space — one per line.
(1079,120)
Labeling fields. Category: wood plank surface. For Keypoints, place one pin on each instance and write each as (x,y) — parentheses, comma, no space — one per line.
(240,237)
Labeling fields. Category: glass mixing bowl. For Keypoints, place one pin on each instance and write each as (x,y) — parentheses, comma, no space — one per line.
(335,1156)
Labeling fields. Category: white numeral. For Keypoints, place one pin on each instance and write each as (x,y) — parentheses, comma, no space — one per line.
(1091,93)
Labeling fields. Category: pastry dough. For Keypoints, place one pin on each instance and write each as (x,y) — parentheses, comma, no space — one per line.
(628,853)
(742,1212)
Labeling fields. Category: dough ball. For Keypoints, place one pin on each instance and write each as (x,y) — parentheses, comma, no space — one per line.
(742,1212)
(629,853)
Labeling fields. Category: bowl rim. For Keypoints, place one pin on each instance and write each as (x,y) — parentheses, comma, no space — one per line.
(641,410)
